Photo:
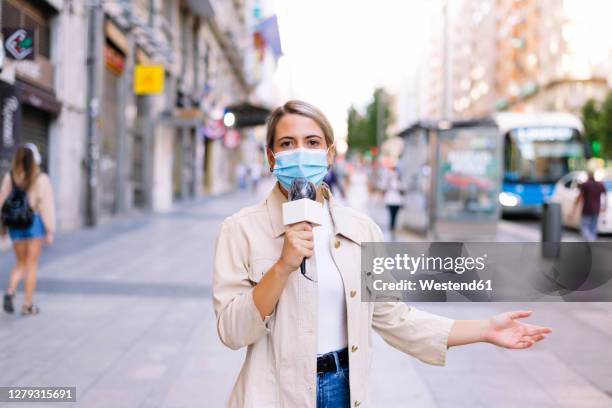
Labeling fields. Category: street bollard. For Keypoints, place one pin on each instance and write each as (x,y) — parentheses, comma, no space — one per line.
(551,229)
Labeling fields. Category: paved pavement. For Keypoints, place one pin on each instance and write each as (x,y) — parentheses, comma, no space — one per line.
(127,318)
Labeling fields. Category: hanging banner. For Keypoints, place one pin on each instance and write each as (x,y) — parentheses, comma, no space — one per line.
(214,129)
(10,123)
(148,79)
(231,139)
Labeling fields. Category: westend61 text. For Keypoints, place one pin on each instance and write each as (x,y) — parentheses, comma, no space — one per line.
(431,284)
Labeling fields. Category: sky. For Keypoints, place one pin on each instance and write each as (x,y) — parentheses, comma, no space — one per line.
(336,52)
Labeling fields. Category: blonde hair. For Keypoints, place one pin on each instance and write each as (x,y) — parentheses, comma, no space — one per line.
(297,107)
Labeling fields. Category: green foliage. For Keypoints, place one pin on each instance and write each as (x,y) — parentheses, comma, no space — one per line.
(597,119)
(362,127)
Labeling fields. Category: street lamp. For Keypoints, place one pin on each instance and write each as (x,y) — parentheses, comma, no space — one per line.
(229,119)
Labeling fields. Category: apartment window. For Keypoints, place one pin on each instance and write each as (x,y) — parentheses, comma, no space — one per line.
(19,13)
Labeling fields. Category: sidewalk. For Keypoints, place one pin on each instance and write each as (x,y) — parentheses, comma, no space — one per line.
(126,313)
(127,318)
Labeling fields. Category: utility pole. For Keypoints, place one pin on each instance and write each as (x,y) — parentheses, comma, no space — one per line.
(446,69)
(126,117)
(94,27)
(380,117)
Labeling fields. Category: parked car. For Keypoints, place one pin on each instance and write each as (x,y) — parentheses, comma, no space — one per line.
(566,191)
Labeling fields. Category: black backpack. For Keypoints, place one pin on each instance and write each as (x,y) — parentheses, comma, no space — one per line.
(16,211)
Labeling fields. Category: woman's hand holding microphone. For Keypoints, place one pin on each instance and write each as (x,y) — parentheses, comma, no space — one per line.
(298,244)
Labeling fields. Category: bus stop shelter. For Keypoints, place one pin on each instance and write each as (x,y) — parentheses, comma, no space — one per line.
(452,175)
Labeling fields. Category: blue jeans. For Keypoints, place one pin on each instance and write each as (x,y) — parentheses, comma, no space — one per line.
(588,226)
(333,387)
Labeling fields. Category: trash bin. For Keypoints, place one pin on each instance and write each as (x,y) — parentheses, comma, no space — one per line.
(551,229)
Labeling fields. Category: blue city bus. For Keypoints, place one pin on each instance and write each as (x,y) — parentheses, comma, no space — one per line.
(538,149)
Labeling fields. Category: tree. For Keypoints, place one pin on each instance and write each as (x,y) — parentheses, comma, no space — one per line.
(605,126)
(362,127)
(597,120)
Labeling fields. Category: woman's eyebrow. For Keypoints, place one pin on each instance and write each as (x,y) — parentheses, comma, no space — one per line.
(317,136)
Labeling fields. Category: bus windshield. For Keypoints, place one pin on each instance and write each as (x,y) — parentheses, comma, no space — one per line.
(541,155)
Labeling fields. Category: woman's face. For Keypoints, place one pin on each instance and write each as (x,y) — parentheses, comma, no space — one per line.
(294,131)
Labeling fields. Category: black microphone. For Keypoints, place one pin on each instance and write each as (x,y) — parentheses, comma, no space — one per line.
(302,188)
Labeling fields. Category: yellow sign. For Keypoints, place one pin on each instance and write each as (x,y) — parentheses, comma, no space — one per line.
(148,79)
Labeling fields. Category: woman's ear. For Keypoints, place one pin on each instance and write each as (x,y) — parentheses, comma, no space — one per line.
(271,160)
(331,152)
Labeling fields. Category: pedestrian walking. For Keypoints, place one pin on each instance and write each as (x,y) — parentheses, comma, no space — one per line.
(334,182)
(394,192)
(28,212)
(255,175)
(591,194)
(308,337)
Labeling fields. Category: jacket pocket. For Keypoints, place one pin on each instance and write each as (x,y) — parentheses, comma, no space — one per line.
(258,268)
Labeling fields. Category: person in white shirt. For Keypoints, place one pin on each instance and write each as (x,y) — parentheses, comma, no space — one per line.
(393,198)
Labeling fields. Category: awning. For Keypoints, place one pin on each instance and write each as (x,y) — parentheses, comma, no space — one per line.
(38,98)
(248,115)
(182,118)
(203,8)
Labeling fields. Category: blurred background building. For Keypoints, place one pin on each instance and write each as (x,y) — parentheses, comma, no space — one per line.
(112,149)
(518,55)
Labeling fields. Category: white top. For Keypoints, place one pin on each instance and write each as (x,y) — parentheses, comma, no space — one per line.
(332,326)
(393,187)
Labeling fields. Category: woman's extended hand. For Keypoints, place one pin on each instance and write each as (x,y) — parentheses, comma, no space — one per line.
(505,330)
(298,245)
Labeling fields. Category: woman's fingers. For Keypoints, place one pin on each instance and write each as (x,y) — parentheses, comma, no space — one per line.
(535,338)
(519,314)
(303,243)
(522,344)
(304,235)
(533,330)
(301,226)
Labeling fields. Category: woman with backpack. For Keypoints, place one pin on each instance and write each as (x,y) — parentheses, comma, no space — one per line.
(26,200)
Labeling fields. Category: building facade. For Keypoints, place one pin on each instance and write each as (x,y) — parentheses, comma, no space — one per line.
(518,55)
(551,54)
(108,149)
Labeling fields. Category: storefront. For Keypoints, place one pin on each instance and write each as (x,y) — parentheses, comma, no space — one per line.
(108,174)
(39,109)
(184,153)
(29,104)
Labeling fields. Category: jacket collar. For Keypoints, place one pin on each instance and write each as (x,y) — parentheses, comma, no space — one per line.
(343,222)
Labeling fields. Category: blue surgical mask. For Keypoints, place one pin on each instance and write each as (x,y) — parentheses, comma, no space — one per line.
(310,164)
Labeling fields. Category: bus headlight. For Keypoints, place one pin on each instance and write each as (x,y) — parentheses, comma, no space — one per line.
(509,199)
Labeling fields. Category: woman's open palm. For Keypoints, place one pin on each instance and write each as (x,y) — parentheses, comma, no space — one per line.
(506,331)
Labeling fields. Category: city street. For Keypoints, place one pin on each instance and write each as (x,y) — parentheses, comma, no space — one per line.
(127,318)
(129,130)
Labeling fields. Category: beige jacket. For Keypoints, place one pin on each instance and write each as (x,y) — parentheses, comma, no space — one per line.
(280,365)
(40,198)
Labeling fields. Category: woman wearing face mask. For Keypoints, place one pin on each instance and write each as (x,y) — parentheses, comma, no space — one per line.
(26,177)
(304,333)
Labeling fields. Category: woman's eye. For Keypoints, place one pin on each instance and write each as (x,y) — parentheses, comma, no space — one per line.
(313,142)
(285,144)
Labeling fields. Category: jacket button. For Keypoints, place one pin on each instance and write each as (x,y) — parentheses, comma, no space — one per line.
(357,403)
(354,348)
(337,243)
(353,293)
